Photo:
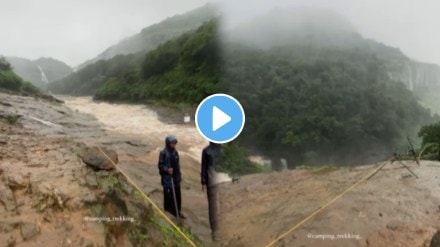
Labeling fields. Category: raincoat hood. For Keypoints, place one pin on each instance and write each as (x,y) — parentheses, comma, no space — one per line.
(170,139)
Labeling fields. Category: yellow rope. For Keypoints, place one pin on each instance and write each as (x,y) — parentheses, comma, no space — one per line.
(324,206)
(150,201)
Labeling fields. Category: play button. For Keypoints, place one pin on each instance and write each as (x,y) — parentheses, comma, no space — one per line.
(220,118)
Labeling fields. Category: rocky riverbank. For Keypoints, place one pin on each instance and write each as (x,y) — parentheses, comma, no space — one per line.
(50,197)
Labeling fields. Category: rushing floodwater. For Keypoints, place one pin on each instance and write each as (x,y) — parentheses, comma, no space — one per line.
(141,121)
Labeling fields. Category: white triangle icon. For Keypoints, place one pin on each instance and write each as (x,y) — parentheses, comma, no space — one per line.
(219,118)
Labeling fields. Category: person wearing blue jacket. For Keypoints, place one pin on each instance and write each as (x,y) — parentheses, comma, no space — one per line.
(169,170)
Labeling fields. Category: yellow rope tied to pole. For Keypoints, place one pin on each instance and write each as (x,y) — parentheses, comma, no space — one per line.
(319,210)
(186,237)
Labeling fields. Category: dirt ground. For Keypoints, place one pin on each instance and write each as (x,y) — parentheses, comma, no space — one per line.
(393,208)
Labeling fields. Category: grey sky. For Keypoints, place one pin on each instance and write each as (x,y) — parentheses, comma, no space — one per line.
(76,30)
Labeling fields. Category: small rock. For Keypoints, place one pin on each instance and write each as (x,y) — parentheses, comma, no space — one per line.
(7,227)
(60,198)
(7,198)
(3,141)
(102,173)
(47,217)
(90,199)
(393,225)
(67,242)
(107,189)
(29,230)
(11,241)
(68,227)
(91,181)
(16,182)
(88,243)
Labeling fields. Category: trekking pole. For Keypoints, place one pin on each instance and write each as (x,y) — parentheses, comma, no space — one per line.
(174,195)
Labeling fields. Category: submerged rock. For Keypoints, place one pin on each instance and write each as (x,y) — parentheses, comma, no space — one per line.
(96,159)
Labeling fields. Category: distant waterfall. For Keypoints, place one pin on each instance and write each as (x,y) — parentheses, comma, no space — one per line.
(410,77)
(43,75)
(417,75)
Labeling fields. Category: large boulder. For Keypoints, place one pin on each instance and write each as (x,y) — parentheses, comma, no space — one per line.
(96,159)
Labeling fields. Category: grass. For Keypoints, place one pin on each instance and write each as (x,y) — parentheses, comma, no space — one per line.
(12,119)
(137,195)
(111,181)
(171,237)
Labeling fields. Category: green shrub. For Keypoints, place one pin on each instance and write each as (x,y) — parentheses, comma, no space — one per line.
(430,135)
(235,161)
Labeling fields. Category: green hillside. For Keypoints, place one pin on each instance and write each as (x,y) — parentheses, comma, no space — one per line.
(183,70)
(87,80)
(39,72)
(151,37)
(11,83)
(335,109)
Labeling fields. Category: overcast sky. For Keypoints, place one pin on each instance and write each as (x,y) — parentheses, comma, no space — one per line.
(76,30)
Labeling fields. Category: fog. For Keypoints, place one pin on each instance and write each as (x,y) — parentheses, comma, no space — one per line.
(76,30)
(409,25)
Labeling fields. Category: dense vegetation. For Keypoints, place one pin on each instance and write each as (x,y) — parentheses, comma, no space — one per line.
(235,161)
(317,92)
(87,80)
(335,109)
(30,70)
(184,70)
(11,83)
(430,135)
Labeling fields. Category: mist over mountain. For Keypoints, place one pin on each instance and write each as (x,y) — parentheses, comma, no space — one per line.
(291,26)
(312,31)
(156,34)
(39,72)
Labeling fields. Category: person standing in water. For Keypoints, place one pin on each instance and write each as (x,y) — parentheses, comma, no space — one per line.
(169,170)
(211,156)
